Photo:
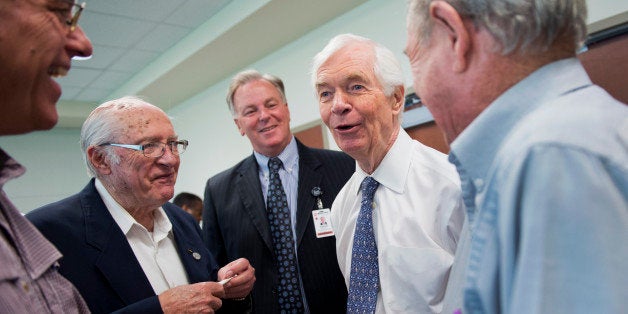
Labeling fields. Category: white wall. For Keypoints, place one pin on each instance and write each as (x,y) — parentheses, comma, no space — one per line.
(215,143)
(55,167)
(601,9)
(54,162)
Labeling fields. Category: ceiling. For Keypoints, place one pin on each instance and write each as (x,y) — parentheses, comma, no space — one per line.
(169,50)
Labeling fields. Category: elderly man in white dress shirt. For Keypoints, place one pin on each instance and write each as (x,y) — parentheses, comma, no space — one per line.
(417,210)
(124,247)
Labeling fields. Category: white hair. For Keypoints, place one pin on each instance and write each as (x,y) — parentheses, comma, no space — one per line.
(385,66)
(516,25)
(102,126)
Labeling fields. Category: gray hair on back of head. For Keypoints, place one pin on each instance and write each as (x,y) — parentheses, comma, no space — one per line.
(247,76)
(385,66)
(516,25)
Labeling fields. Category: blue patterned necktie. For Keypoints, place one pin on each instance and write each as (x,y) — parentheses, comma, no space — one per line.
(364,279)
(289,291)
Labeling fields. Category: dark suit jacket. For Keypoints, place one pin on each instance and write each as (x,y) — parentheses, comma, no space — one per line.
(98,259)
(235,224)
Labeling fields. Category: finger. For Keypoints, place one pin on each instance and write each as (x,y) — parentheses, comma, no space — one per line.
(239,265)
(241,279)
(233,269)
(215,303)
(240,289)
(224,273)
(247,275)
(216,289)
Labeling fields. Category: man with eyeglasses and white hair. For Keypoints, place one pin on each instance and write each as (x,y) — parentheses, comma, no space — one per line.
(38,40)
(125,247)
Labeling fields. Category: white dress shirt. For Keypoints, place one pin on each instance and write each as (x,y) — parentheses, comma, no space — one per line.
(417,218)
(155,251)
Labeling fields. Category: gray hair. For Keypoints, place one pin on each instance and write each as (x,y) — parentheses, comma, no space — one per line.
(102,126)
(516,25)
(385,66)
(248,76)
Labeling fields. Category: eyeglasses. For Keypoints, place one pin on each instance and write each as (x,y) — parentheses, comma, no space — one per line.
(155,149)
(76,13)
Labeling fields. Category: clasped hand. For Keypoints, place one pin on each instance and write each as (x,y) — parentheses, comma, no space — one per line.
(205,297)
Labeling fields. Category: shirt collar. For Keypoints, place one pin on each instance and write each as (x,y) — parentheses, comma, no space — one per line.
(475,148)
(9,168)
(289,157)
(393,171)
(162,224)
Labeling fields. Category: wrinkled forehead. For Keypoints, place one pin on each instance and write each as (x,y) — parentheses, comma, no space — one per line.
(141,122)
(258,88)
(347,63)
(354,52)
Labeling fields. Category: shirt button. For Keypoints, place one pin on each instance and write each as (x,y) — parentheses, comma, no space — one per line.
(25,286)
(479,184)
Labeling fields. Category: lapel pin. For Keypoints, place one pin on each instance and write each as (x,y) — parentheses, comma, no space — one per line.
(196,255)
(317,192)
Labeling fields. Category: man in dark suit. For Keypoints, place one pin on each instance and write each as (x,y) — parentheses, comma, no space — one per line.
(238,222)
(125,248)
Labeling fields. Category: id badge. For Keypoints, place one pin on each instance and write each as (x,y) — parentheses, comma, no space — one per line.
(322,223)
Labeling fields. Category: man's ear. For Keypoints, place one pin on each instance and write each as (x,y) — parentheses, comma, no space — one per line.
(456,33)
(237,123)
(399,97)
(98,159)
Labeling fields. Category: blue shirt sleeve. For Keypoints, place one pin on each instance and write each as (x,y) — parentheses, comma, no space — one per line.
(564,233)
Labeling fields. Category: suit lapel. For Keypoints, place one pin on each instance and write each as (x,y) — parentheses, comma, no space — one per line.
(197,268)
(250,191)
(103,234)
(309,178)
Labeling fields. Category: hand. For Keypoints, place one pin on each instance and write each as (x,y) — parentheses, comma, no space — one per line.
(202,297)
(241,285)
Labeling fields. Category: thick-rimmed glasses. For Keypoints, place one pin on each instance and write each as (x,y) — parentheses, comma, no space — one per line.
(76,13)
(155,149)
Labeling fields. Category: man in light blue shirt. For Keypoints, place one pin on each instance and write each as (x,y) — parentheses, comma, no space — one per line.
(542,154)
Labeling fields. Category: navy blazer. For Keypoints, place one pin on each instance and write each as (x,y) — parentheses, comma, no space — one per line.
(235,224)
(98,259)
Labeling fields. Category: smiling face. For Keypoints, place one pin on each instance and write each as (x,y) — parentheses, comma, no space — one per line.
(262,115)
(363,120)
(36,46)
(136,180)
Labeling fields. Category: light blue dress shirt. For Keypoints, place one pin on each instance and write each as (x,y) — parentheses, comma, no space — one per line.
(289,176)
(544,173)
